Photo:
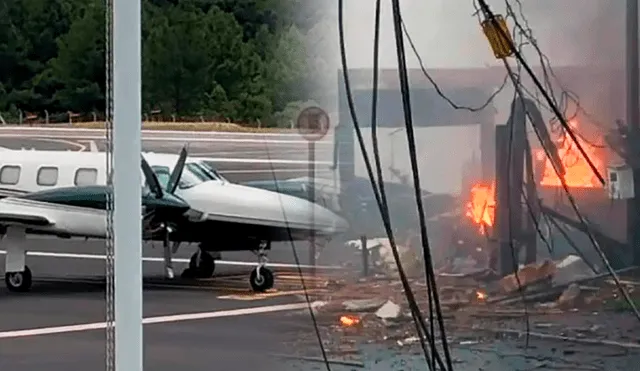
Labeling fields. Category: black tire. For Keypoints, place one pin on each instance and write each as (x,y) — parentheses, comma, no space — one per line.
(19,281)
(264,283)
(204,268)
(187,273)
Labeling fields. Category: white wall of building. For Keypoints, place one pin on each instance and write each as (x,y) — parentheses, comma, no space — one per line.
(442,153)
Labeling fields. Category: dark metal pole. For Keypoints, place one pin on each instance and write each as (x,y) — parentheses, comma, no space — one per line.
(312,199)
(531,239)
(365,256)
(633,122)
(505,265)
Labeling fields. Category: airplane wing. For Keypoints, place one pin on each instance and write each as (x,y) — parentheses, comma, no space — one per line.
(24,220)
(6,192)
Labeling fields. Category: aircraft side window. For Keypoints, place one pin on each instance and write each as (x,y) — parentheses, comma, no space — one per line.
(86,176)
(163,174)
(10,175)
(47,176)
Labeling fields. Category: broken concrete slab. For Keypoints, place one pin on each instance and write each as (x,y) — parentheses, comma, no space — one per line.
(570,269)
(388,311)
(363,305)
(529,274)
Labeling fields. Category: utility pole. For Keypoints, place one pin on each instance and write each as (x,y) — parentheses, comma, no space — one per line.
(633,124)
(127,183)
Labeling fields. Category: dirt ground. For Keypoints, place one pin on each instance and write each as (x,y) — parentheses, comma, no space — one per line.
(486,329)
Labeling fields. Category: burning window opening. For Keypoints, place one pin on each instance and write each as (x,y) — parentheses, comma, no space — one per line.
(578,174)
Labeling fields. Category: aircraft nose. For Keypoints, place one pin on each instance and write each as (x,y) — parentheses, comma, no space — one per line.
(248,204)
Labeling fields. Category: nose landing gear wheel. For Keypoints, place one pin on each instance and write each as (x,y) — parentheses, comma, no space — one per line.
(18,281)
(262,283)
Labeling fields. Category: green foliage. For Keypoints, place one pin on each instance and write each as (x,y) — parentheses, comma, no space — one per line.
(239,60)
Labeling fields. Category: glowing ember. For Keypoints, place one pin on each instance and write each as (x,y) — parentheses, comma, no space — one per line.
(481,295)
(481,207)
(349,321)
(578,173)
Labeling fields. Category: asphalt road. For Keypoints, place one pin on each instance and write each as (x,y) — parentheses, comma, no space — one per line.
(69,279)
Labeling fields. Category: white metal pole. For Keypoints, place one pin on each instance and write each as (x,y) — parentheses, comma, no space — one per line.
(127,183)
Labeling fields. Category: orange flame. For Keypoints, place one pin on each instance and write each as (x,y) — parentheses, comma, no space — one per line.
(481,295)
(578,173)
(349,321)
(481,206)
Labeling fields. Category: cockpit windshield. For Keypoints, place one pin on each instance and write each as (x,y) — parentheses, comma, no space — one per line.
(211,170)
(195,173)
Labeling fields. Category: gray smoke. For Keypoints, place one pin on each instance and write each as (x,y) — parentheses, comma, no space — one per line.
(585,32)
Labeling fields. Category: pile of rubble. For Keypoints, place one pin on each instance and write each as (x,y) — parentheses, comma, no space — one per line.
(374,309)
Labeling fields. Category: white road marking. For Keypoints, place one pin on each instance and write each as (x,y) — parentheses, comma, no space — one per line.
(260,152)
(93,147)
(160,132)
(44,254)
(159,319)
(256,160)
(80,147)
(163,139)
(261,171)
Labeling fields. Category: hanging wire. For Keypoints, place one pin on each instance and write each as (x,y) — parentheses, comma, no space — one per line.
(416,314)
(110,251)
(437,87)
(296,257)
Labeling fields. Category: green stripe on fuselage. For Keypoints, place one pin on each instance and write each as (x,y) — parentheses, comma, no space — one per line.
(95,197)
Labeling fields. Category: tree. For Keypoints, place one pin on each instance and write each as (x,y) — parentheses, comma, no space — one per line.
(241,60)
(78,71)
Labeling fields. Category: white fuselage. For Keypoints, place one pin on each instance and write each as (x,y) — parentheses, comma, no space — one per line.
(200,186)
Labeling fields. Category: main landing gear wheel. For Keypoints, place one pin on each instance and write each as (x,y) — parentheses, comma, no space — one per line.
(263,281)
(19,281)
(201,265)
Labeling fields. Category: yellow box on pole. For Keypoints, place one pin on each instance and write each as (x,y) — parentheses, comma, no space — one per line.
(501,45)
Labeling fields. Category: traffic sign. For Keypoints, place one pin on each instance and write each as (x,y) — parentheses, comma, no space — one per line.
(313,123)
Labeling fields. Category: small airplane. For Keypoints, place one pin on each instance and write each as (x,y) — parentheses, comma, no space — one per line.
(50,189)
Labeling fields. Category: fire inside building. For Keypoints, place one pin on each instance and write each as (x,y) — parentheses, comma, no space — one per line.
(494,206)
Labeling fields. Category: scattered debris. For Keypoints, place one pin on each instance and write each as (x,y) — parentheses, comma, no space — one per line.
(569,297)
(528,275)
(363,305)
(389,310)
(381,256)
(570,269)
(474,301)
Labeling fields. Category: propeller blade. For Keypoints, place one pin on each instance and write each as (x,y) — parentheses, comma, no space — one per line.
(174,179)
(151,178)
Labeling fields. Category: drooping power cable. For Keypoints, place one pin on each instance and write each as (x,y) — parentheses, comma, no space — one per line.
(437,87)
(312,314)
(408,119)
(416,314)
